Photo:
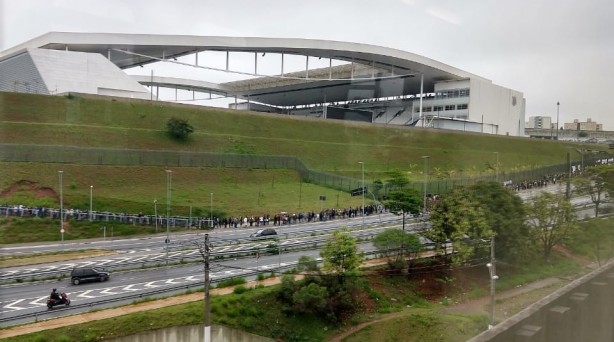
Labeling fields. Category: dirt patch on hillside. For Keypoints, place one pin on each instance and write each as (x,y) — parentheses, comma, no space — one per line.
(31,188)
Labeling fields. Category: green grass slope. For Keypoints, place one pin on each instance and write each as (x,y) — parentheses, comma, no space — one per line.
(331,146)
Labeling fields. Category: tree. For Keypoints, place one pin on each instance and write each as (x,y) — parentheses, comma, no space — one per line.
(505,215)
(307,264)
(340,253)
(551,219)
(402,200)
(398,244)
(594,237)
(594,183)
(311,298)
(178,129)
(458,226)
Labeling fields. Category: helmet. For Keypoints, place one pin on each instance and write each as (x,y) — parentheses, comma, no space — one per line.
(54,289)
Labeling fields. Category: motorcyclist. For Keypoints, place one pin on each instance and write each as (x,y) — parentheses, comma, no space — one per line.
(55,295)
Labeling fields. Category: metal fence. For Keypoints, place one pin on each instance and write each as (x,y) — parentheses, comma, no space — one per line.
(112,156)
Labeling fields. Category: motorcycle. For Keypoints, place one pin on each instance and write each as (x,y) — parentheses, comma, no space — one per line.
(51,302)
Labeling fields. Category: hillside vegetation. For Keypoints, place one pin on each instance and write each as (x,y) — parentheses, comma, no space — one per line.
(330,146)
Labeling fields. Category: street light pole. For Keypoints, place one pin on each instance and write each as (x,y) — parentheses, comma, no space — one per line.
(426,179)
(169,177)
(91,191)
(493,278)
(497,168)
(60,173)
(156,213)
(557,119)
(362,164)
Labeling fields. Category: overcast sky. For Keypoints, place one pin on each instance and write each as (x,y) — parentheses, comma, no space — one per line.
(551,50)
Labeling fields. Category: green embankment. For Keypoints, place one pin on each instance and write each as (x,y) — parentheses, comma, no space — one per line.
(330,146)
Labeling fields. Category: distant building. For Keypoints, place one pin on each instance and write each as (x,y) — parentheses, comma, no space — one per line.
(544,122)
(589,125)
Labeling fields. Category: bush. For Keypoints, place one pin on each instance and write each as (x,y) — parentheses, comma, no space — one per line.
(240,289)
(231,282)
(178,129)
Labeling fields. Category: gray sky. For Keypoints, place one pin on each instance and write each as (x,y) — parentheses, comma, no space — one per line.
(551,50)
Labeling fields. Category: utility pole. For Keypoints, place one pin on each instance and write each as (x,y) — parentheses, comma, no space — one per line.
(156,213)
(169,177)
(207,297)
(568,190)
(493,278)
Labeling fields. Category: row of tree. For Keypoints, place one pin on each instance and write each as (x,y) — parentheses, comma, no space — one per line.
(461,225)
(463,221)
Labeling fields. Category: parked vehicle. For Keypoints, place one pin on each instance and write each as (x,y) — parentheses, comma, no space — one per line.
(85,274)
(51,302)
(264,233)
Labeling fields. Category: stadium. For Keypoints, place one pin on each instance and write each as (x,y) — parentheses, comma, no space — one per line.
(335,80)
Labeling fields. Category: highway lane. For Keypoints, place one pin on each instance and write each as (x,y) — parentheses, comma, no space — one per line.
(148,243)
(189,252)
(31,298)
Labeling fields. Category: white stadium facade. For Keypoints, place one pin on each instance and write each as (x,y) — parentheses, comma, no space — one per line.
(358,82)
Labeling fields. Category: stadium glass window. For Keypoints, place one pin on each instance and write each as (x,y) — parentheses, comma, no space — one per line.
(437,108)
(426,109)
(450,107)
(462,106)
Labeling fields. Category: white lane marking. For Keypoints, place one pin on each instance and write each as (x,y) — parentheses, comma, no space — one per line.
(12,305)
(36,301)
(84,294)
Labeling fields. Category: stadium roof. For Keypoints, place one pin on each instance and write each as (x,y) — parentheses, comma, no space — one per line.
(374,71)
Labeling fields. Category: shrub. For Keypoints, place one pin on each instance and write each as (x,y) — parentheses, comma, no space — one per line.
(178,129)
(231,282)
(240,289)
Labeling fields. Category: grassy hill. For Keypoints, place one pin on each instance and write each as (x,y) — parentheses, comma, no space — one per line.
(330,146)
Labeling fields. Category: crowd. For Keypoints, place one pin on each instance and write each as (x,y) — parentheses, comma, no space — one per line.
(538,183)
(282,218)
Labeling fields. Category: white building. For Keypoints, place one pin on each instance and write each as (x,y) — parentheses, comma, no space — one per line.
(367,83)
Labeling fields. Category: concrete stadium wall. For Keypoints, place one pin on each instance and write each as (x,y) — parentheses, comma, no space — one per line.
(491,103)
(581,311)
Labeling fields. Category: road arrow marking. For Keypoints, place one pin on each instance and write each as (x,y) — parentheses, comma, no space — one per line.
(150,284)
(108,291)
(12,305)
(36,301)
(84,294)
(129,288)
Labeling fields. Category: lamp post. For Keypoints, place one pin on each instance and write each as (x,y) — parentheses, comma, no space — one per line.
(156,213)
(557,119)
(91,191)
(426,179)
(169,178)
(60,173)
(362,165)
(493,278)
(497,168)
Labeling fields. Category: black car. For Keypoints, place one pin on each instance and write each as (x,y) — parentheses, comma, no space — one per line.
(264,233)
(85,274)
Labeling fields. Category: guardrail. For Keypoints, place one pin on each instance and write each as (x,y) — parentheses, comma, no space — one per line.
(184,287)
(240,253)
